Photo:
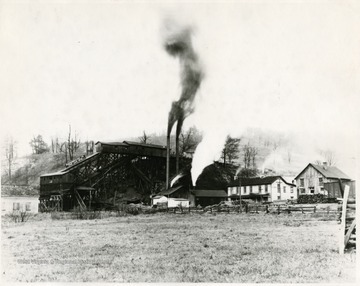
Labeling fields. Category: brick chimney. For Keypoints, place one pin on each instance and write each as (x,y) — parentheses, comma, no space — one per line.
(325,165)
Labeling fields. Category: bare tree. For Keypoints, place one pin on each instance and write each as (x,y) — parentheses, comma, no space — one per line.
(249,158)
(55,145)
(64,149)
(230,151)
(189,140)
(10,156)
(90,145)
(289,156)
(73,144)
(329,157)
(70,146)
(144,138)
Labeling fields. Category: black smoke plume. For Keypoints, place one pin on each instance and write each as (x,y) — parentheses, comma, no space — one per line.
(178,44)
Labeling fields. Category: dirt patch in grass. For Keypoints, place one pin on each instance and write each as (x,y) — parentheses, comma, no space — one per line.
(239,248)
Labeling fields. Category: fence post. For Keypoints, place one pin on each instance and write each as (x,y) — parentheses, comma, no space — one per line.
(343,221)
(256,209)
(328,209)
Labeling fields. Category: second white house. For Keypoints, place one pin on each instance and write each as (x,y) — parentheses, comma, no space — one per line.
(262,189)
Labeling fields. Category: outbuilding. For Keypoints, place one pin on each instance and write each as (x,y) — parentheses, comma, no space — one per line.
(10,204)
(209,197)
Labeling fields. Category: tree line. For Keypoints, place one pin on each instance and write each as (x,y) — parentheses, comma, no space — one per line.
(69,147)
(233,153)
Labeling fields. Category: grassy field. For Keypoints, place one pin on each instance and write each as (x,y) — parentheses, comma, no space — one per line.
(169,247)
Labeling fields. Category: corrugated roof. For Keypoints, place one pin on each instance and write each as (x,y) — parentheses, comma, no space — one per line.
(327,171)
(127,143)
(210,193)
(258,181)
(113,143)
(145,145)
(54,174)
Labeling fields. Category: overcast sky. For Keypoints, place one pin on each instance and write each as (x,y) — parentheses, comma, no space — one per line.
(101,67)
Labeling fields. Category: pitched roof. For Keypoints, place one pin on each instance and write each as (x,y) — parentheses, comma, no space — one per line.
(257,181)
(330,172)
(210,193)
(169,191)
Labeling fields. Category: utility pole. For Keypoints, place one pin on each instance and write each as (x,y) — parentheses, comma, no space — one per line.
(240,194)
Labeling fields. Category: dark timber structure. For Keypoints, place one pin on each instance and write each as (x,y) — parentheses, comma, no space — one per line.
(98,180)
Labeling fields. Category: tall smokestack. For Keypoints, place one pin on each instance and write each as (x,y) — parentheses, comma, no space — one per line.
(178,43)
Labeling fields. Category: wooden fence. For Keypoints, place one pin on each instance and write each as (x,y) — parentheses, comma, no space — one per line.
(257,209)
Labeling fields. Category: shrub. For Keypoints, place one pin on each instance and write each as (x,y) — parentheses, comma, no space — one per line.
(19,216)
(315,199)
(132,210)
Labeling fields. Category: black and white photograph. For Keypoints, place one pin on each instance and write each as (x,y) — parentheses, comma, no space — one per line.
(179,141)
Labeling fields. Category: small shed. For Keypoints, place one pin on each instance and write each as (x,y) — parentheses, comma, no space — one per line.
(159,200)
(209,197)
(336,189)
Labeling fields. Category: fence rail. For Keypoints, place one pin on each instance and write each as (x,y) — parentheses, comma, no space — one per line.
(255,209)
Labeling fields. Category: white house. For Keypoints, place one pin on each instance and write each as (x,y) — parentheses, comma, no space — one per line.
(262,189)
(10,204)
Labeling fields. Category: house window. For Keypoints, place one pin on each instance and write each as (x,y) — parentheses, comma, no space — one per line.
(278,197)
(278,188)
(321,182)
(302,182)
(302,190)
(291,197)
(28,207)
(260,189)
(233,190)
(291,190)
(250,189)
(312,190)
(16,206)
(284,189)
(266,188)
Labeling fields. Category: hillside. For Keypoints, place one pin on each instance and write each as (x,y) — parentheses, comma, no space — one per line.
(33,167)
(276,154)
